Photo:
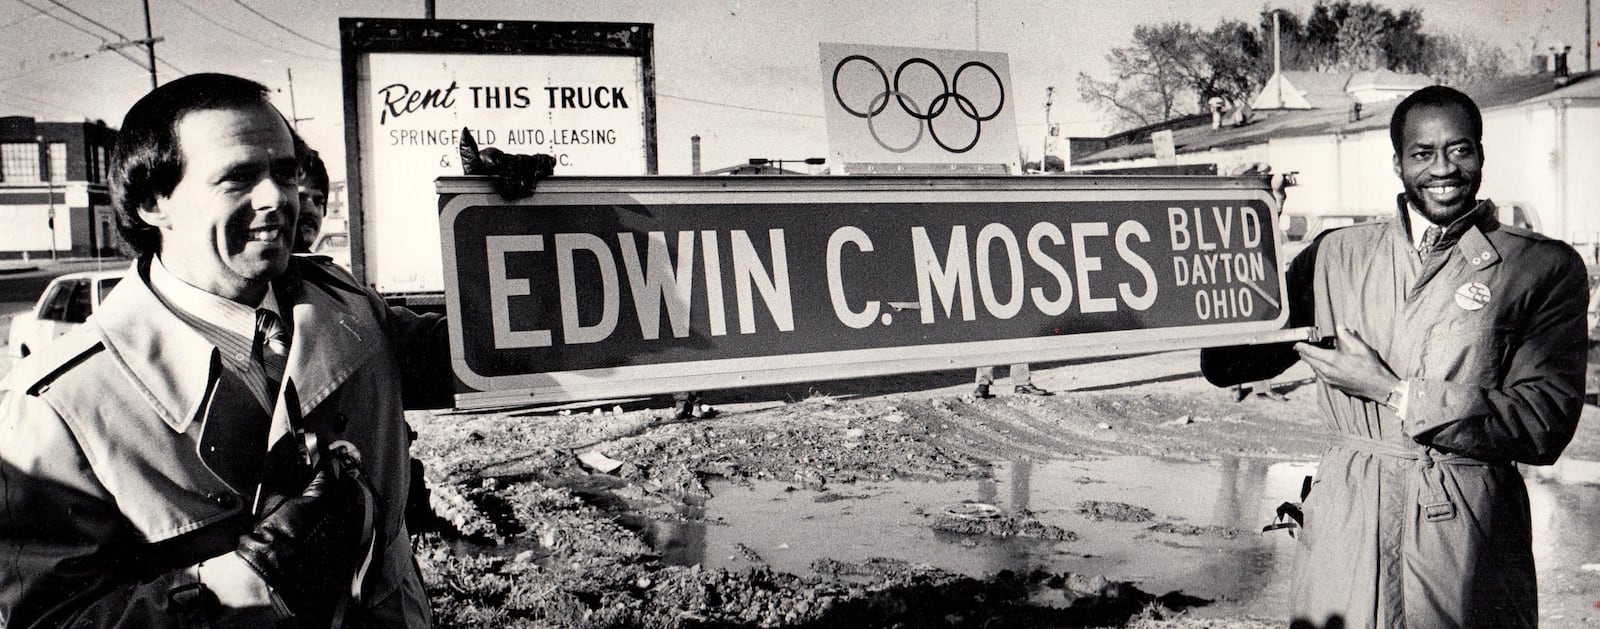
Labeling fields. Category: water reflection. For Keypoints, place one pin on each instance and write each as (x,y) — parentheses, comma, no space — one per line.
(1223,556)
(790,529)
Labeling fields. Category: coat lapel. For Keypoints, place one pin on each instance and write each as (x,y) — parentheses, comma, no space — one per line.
(334,333)
(170,363)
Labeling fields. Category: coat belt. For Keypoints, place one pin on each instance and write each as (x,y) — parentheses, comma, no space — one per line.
(1434,498)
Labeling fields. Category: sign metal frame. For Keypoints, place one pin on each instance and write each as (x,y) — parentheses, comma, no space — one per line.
(656,195)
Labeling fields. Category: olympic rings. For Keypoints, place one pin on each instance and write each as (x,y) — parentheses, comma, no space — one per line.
(950,91)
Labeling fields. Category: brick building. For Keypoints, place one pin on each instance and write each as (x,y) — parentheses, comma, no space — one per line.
(53,194)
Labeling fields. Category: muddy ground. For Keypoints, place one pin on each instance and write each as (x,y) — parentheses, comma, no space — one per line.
(532,528)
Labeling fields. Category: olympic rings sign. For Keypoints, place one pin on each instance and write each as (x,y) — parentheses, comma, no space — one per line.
(926,116)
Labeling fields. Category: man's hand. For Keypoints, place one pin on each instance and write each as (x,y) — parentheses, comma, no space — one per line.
(1353,367)
(308,547)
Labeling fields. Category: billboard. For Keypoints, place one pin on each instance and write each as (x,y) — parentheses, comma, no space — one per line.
(606,287)
(918,110)
(581,92)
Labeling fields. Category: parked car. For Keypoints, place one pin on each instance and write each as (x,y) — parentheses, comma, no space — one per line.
(67,302)
(335,245)
(1300,229)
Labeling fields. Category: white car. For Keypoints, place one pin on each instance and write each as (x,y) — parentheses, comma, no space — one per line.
(67,302)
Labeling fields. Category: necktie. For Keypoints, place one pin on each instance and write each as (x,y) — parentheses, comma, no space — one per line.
(272,347)
(1430,238)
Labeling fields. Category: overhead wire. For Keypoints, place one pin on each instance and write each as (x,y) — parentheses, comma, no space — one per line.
(49,104)
(120,52)
(115,32)
(741,107)
(230,29)
(280,25)
(74,59)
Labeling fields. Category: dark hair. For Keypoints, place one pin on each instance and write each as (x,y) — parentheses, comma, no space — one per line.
(147,161)
(1434,96)
(311,167)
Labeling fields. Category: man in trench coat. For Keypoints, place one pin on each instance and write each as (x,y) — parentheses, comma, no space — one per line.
(223,444)
(1459,352)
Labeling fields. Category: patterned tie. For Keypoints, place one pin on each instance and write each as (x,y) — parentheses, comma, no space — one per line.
(272,345)
(1430,238)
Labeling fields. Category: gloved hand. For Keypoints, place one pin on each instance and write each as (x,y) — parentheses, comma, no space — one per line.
(514,174)
(308,547)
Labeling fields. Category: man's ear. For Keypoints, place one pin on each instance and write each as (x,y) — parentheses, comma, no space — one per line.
(153,214)
(1397,172)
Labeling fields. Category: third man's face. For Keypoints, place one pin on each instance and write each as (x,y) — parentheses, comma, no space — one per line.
(1440,162)
(228,225)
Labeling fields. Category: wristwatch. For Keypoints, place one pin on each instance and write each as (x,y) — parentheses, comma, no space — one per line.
(1396,396)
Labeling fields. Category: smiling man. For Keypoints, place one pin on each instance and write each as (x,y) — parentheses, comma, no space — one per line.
(1459,352)
(223,443)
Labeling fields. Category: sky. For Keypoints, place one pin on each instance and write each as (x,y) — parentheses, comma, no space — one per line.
(744,75)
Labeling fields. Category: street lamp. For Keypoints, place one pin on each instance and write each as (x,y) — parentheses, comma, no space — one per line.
(778,163)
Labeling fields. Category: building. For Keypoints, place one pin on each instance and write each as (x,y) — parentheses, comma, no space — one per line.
(53,195)
(1539,143)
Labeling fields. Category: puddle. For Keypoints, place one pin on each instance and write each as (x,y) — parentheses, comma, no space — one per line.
(1223,505)
(854,522)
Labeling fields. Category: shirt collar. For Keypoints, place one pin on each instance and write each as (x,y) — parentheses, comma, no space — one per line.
(1418,224)
(225,313)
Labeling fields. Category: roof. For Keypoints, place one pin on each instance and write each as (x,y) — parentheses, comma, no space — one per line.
(1386,80)
(1304,90)
(1284,123)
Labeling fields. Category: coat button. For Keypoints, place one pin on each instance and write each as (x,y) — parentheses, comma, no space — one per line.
(224,499)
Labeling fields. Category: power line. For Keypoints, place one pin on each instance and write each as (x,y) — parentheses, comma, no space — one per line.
(41,102)
(74,59)
(113,31)
(742,107)
(279,25)
(62,20)
(87,18)
(230,29)
(124,54)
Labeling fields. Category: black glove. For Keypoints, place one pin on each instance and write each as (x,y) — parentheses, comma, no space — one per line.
(308,547)
(514,174)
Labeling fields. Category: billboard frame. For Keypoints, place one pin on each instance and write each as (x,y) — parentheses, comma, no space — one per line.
(361,36)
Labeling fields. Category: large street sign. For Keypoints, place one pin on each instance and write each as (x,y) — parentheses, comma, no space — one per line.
(603,287)
(918,110)
(582,92)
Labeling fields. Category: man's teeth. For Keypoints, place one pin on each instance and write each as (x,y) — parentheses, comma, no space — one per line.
(1441,190)
(264,235)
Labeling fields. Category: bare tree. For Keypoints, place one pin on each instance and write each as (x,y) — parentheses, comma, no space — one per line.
(1173,69)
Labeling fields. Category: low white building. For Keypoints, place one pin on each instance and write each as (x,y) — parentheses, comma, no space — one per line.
(1541,145)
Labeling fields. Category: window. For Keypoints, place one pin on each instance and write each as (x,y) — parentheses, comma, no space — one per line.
(19,163)
(106,285)
(54,305)
(80,306)
(58,162)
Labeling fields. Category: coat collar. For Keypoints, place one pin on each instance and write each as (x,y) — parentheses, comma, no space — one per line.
(173,366)
(1466,234)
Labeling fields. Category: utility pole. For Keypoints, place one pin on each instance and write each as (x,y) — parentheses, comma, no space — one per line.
(294,111)
(150,45)
(1044,151)
(1277,58)
(428,9)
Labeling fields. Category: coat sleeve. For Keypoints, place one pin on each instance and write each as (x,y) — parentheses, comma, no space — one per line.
(1534,412)
(69,559)
(422,346)
(1228,366)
